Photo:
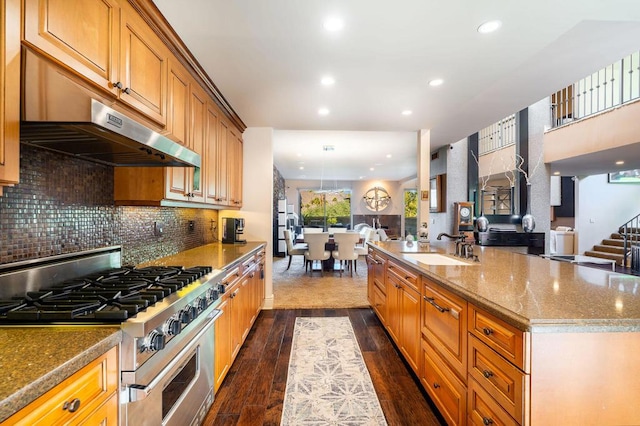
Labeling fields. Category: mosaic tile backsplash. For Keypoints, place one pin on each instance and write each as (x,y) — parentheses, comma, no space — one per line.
(65,205)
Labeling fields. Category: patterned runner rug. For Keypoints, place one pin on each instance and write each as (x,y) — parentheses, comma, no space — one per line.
(328,382)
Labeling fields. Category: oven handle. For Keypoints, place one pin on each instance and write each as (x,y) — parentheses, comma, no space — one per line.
(140,392)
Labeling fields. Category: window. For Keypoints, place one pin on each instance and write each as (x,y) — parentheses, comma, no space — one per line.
(325,208)
(410,212)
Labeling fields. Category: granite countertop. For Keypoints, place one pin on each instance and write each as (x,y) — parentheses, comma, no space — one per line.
(216,255)
(35,359)
(531,292)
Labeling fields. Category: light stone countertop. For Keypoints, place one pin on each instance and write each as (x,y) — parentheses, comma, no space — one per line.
(217,255)
(533,293)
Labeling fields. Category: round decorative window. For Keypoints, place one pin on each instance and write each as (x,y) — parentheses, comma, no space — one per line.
(377,199)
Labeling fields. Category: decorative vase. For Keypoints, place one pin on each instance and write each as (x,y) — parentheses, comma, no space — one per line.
(482,222)
(528,221)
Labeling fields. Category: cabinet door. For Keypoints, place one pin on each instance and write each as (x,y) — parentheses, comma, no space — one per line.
(84,35)
(234,168)
(197,133)
(211,171)
(410,326)
(370,281)
(222,327)
(444,325)
(143,67)
(394,288)
(10,93)
(222,176)
(178,178)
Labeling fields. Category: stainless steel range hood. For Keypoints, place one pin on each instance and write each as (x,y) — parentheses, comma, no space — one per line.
(61,115)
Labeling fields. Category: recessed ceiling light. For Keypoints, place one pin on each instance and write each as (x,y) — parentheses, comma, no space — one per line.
(407,112)
(333,24)
(371,169)
(436,82)
(327,80)
(389,155)
(556,173)
(361,177)
(301,167)
(299,154)
(489,27)
(619,163)
(323,111)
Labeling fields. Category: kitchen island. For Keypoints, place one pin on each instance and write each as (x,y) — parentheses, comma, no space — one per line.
(512,338)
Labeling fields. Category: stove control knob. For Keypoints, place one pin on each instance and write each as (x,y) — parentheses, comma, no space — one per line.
(213,294)
(185,315)
(193,311)
(172,327)
(202,303)
(154,341)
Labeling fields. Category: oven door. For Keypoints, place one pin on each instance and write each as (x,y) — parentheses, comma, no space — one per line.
(181,393)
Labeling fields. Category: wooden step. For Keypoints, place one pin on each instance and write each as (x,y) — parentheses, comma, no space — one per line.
(605,255)
(613,242)
(609,249)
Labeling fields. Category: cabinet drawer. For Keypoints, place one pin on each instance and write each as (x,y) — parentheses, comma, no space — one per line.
(380,303)
(444,325)
(408,277)
(501,379)
(88,389)
(483,410)
(443,386)
(505,339)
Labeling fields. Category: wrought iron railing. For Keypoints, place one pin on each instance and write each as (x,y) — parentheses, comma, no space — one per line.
(609,87)
(630,232)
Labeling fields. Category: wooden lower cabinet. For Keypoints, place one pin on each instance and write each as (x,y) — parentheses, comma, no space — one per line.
(483,410)
(241,303)
(87,397)
(447,391)
(403,313)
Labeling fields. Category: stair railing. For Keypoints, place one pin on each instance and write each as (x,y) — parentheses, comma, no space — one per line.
(630,232)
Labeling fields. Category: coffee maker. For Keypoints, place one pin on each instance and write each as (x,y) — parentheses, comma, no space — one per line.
(232,230)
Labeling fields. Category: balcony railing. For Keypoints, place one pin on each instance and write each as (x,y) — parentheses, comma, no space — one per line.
(498,135)
(607,88)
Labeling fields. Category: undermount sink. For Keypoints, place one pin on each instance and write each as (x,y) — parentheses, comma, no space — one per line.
(437,259)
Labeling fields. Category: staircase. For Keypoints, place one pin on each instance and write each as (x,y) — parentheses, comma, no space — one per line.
(610,248)
(619,246)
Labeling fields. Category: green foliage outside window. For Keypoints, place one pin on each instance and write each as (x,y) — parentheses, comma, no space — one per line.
(411,203)
(332,205)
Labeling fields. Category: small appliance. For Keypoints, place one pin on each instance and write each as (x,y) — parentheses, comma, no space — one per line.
(232,230)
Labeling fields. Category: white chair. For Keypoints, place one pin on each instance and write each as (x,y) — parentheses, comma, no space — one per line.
(333,231)
(345,250)
(292,247)
(367,235)
(316,250)
(306,231)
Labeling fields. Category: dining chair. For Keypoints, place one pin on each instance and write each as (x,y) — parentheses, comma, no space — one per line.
(333,231)
(316,250)
(293,248)
(308,230)
(345,250)
(367,234)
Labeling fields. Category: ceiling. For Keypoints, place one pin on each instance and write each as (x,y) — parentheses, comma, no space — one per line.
(268,57)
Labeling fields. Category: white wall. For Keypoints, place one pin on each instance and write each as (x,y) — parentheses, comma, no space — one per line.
(601,207)
(257,196)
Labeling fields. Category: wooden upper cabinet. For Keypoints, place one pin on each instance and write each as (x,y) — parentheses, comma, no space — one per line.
(84,35)
(143,66)
(178,102)
(234,168)
(198,132)
(222,178)
(211,154)
(10,93)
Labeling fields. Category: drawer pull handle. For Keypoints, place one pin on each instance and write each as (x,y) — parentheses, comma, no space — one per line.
(432,301)
(487,331)
(72,406)
(487,373)
(436,385)
(487,421)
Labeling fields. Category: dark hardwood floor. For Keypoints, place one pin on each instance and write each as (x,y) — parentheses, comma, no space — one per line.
(253,391)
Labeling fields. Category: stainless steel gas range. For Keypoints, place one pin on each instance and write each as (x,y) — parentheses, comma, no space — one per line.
(166,315)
